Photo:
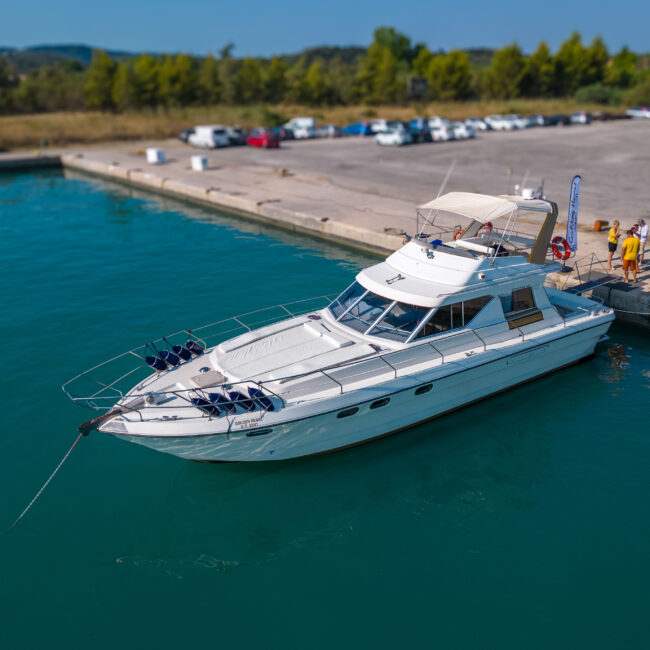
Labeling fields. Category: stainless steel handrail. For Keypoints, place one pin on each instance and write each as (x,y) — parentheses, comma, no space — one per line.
(265,384)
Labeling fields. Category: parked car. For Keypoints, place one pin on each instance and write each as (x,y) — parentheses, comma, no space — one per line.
(302,127)
(378,126)
(437,121)
(580,117)
(558,120)
(441,134)
(639,111)
(499,123)
(236,135)
(537,120)
(209,137)
(461,131)
(329,131)
(263,138)
(357,128)
(394,135)
(184,135)
(478,124)
(518,122)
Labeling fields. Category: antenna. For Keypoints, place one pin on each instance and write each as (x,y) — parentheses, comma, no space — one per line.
(426,220)
(523,183)
(446,178)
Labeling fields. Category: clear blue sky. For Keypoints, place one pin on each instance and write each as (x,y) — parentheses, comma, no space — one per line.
(265,27)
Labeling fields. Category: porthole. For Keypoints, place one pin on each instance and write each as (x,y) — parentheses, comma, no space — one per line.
(380,402)
(423,389)
(347,412)
(258,432)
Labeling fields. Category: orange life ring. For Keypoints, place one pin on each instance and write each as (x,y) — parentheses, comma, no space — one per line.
(556,251)
(458,234)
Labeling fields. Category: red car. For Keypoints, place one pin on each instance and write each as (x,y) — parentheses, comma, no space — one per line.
(263,138)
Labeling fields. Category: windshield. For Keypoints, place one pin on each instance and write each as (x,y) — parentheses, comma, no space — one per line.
(365,312)
(346,299)
(399,322)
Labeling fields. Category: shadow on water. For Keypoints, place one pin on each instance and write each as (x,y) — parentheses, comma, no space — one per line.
(241,226)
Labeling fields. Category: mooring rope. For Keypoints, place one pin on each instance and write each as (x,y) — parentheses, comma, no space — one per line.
(38,494)
(637,313)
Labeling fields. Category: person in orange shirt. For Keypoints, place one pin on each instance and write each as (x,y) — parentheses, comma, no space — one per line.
(629,252)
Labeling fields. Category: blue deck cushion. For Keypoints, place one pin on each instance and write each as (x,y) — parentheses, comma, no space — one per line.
(194,347)
(182,352)
(206,406)
(156,363)
(241,400)
(169,357)
(223,402)
(261,398)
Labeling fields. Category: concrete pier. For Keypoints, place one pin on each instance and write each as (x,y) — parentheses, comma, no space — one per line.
(356,193)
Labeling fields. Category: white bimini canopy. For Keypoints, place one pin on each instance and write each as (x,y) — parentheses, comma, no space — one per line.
(482,207)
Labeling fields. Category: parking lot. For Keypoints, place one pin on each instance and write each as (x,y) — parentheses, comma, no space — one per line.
(612,157)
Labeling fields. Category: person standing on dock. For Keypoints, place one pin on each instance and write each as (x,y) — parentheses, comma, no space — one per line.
(612,244)
(643,239)
(629,252)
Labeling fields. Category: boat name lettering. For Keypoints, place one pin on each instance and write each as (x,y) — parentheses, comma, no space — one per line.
(249,423)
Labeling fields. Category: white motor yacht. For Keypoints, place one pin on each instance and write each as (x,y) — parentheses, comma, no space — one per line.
(455,315)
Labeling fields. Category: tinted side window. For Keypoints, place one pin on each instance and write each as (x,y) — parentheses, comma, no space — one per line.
(522,299)
(439,322)
(473,307)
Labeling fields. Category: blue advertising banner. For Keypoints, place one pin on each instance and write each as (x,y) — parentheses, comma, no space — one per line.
(572,222)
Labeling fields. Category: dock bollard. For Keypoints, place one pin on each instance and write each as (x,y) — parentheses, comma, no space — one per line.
(155,156)
(199,163)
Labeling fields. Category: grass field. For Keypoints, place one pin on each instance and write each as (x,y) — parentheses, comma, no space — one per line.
(62,129)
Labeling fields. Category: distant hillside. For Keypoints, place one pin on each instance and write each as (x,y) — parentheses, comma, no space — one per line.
(348,54)
(31,58)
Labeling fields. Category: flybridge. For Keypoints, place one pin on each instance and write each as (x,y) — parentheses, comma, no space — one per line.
(480,237)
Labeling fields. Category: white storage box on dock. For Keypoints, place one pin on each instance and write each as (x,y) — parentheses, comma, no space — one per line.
(199,163)
(155,156)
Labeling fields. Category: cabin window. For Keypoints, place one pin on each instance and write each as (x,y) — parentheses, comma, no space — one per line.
(365,312)
(346,299)
(400,321)
(450,317)
(519,301)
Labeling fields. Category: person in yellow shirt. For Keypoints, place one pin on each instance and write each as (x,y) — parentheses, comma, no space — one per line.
(629,252)
(614,234)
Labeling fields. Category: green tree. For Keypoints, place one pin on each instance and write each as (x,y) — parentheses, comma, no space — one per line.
(422,62)
(145,75)
(596,58)
(209,83)
(622,69)
(227,73)
(315,84)
(450,76)
(124,93)
(387,88)
(275,81)
(177,81)
(398,44)
(537,76)
(99,85)
(8,81)
(505,77)
(570,63)
(248,82)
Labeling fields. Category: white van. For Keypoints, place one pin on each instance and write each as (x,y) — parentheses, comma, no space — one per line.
(209,137)
(302,127)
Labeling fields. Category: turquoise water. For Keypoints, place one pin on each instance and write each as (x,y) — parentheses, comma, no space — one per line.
(520,522)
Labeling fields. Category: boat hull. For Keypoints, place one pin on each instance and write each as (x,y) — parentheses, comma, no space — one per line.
(479,377)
